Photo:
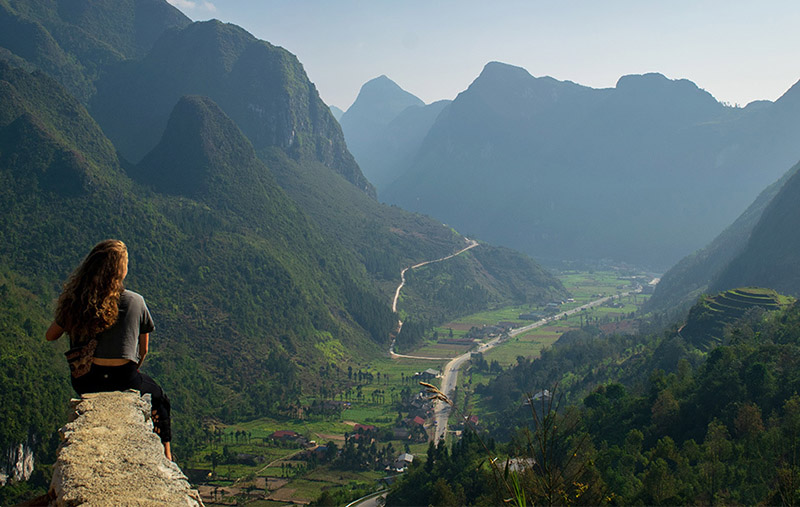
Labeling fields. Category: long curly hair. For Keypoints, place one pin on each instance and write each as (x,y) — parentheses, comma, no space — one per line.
(89,303)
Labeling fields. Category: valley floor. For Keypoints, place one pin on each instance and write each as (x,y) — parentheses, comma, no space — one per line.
(245,463)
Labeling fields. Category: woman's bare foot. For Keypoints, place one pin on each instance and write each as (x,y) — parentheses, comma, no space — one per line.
(167,451)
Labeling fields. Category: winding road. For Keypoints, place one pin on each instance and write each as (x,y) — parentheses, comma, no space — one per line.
(441,409)
(471,243)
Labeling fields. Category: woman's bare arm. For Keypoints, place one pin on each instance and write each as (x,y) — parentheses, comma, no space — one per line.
(144,344)
(54,332)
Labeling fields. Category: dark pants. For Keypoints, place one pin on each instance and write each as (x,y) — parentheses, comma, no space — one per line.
(119,378)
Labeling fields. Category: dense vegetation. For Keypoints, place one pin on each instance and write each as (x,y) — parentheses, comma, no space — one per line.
(73,42)
(707,320)
(483,277)
(655,421)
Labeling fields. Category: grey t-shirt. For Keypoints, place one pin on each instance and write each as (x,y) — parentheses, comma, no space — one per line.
(121,340)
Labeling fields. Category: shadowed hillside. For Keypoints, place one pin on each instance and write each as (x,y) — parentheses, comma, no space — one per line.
(680,287)
(772,254)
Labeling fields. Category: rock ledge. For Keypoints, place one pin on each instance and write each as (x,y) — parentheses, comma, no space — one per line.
(110,456)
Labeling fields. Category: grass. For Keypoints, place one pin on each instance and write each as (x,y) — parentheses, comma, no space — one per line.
(395,374)
(528,345)
(441,350)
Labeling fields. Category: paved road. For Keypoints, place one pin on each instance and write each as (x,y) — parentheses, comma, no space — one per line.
(450,374)
(471,243)
(442,410)
(371,500)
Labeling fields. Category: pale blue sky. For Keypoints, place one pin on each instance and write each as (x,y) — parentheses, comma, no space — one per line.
(739,51)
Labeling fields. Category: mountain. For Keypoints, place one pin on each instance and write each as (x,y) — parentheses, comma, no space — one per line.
(337,113)
(243,280)
(258,244)
(770,257)
(73,41)
(680,287)
(385,127)
(644,172)
(379,101)
(263,88)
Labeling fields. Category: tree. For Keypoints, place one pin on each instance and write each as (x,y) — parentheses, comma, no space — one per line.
(561,455)
(716,451)
(788,473)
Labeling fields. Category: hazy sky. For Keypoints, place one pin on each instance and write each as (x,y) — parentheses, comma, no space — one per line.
(739,51)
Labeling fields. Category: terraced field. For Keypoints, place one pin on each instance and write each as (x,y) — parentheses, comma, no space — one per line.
(707,320)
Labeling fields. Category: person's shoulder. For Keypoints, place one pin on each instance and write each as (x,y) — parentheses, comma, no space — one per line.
(131,297)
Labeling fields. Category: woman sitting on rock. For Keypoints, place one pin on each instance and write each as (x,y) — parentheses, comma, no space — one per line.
(109,329)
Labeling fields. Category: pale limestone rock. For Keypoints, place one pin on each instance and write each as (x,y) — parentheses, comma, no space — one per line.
(17,464)
(110,456)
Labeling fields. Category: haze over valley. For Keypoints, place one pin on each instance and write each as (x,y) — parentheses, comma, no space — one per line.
(644,173)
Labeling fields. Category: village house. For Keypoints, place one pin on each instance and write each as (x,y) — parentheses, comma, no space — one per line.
(403,462)
(427,375)
(289,436)
(363,433)
(284,435)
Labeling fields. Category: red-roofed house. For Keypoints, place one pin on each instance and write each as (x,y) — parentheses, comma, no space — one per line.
(285,435)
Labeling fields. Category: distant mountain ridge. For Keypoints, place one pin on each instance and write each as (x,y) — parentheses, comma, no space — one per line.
(644,172)
(379,101)
(384,128)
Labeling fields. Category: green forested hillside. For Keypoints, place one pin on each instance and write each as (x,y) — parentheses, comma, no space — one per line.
(237,295)
(73,40)
(263,88)
(484,277)
(644,420)
(710,318)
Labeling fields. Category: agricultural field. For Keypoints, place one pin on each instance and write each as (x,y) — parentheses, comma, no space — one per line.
(583,286)
(614,316)
(240,463)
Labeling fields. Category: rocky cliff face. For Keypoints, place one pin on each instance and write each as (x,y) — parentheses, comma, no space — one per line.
(110,456)
(18,462)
